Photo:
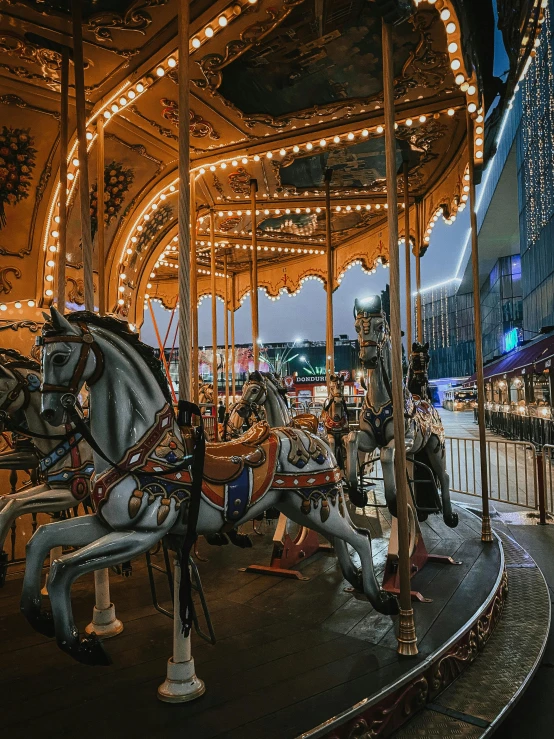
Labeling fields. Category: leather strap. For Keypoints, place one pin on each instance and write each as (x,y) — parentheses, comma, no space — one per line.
(88,344)
(20,387)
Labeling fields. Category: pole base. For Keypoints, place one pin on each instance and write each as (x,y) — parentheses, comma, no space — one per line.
(407,639)
(104,623)
(486,529)
(181,684)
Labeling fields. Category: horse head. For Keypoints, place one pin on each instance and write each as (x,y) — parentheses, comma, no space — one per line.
(420,357)
(372,329)
(255,389)
(336,386)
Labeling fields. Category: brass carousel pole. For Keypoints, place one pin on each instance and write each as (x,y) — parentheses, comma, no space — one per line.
(330,342)
(214,315)
(407,640)
(233,374)
(181,684)
(408,258)
(86,237)
(100,215)
(226,331)
(194,293)
(64,114)
(419,316)
(486,531)
(254,277)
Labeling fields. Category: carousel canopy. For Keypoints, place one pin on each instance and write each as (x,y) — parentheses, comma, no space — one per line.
(286,93)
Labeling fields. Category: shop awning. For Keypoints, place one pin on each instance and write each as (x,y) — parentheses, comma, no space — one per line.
(536,357)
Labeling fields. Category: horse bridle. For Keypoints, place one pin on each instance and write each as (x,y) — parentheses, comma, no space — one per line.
(379,346)
(21,386)
(88,345)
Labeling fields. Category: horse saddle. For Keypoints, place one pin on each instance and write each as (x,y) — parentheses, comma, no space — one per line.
(306,422)
(224,462)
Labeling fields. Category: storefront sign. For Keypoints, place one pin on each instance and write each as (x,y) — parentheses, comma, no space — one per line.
(511,340)
(311,380)
(289,381)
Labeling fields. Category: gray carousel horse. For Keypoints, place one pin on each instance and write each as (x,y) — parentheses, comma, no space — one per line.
(335,418)
(264,398)
(151,479)
(65,467)
(424,429)
(418,371)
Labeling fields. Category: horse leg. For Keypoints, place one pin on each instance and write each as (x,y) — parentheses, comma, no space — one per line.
(40,499)
(387,465)
(111,549)
(437,461)
(352,445)
(339,526)
(73,532)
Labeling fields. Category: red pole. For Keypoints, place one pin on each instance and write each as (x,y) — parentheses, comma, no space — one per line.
(162,352)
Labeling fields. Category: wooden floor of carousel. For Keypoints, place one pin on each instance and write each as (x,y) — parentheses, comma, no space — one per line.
(295,658)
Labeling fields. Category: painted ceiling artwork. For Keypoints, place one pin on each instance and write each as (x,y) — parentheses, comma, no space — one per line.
(281,91)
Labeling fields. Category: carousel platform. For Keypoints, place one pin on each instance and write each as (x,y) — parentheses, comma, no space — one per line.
(295,658)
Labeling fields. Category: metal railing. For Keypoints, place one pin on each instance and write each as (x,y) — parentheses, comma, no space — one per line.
(511,465)
(548,478)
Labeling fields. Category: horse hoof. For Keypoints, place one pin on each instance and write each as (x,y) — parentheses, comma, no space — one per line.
(421,517)
(89,651)
(392,508)
(42,621)
(388,604)
(358,498)
(452,520)
(217,540)
(240,540)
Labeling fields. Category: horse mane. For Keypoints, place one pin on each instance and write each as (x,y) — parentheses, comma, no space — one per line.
(121,329)
(19,360)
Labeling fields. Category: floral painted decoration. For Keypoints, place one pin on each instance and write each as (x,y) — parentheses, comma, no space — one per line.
(117,181)
(17,161)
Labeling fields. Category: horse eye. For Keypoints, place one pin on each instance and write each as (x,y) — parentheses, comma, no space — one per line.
(60,359)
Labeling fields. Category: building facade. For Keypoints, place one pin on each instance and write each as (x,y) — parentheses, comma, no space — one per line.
(516,269)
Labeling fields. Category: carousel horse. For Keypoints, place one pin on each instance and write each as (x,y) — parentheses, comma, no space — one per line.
(335,418)
(206,393)
(418,371)
(424,429)
(150,480)
(65,467)
(264,397)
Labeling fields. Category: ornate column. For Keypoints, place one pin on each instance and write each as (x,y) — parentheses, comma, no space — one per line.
(226,330)
(409,337)
(64,115)
(407,640)
(254,278)
(419,316)
(84,196)
(330,337)
(486,531)
(194,293)
(214,312)
(100,249)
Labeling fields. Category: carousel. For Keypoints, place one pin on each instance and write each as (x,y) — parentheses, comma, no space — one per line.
(321,580)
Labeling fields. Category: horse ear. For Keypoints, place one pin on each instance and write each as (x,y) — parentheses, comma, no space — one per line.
(414,346)
(427,346)
(5,374)
(61,324)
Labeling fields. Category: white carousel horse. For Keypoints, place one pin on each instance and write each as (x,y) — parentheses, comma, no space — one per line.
(264,398)
(65,466)
(138,503)
(424,429)
(335,418)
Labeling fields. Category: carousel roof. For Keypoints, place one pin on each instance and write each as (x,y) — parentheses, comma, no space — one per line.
(281,92)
